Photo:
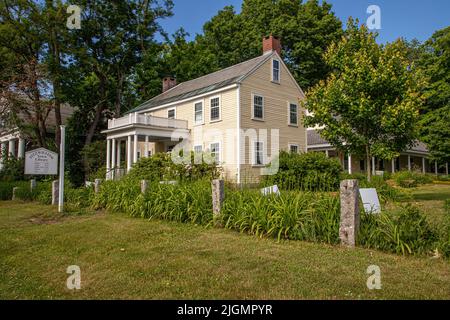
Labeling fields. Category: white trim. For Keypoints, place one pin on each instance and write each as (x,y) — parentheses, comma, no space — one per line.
(254,153)
(289,113)
(253,107)
(294,145)
(175,113)
(238,126)
(197,97)
(272,69)
(220,150)
(220,108)
(203,112)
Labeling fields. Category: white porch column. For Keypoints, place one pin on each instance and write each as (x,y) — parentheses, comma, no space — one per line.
(135,149)
(423,165)
(108,159)
(4,151)
(119,145)
(113,154)
(435,168)
(129,157)
(12,148)
(393,165)
(349,163)
(409,163)
(146,147)
(21,148)
(373,166)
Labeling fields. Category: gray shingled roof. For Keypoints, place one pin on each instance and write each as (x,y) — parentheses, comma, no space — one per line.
(204,84)
(314,139)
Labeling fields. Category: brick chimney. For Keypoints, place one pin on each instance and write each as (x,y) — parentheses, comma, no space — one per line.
(271,43)
(168,83)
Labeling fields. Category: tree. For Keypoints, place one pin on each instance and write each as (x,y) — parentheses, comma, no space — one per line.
(435,116)
(369,105)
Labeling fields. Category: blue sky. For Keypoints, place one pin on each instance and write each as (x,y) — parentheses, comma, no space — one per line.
(399,18)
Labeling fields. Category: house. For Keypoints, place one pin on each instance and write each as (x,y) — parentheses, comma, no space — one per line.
(415,158)
(242,115)
(14,142)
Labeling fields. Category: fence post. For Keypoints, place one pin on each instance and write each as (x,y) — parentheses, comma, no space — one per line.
(55,192)
(32,184)
(218,195)
(144,186)
(97,183)
(14,195)
(349,226)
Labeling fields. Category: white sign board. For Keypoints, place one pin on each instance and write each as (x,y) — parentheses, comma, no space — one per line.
(370,200)
(271,190)
(41,162)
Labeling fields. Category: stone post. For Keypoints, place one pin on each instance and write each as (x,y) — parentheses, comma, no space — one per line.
(97,184)
(349,226)
(55,192)
(218,195)
(144,186)
(14,193)
(32,184)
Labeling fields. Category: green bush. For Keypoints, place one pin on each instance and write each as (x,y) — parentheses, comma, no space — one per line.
(161,167)
(12,170)
(411,179)
(309,171)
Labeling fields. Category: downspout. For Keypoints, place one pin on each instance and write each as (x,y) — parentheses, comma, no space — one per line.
(238,135)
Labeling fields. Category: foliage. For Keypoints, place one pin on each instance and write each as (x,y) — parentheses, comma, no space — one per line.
(369,105)
(12,169)
(403,232)
(308,171)
(161,167)
(411,179)
(94,155)
(434,61)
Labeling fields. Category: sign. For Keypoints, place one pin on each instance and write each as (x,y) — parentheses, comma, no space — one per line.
(370,200)
(270,190)
(41,162)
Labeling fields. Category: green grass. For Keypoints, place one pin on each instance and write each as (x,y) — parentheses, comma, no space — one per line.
(132,258)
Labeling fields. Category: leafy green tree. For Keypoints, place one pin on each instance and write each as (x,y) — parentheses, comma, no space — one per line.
(369,105)
(435,116)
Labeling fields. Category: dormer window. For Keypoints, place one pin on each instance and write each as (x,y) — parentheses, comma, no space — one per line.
(276,71)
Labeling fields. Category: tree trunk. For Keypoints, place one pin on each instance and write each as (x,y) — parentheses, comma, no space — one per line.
(369,163)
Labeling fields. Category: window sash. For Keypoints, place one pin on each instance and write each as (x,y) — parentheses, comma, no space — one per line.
(258,107)
(293,114)
(215,109)
(259,153)
(198,149)
(276,70)
(215,151)
(171,113)
(293,148)
(198,110)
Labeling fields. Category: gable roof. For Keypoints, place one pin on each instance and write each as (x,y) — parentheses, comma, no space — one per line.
(206,83)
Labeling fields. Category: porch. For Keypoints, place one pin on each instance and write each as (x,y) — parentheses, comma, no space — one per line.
(139,135)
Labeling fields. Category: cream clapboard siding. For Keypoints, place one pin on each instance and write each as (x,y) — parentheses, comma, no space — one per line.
(276,99)
(209,132)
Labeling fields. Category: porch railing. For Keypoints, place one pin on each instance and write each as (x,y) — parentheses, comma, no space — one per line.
(135,118)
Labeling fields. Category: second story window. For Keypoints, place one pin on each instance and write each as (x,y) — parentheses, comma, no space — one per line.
(293,114)
(258,107)
(215,109)
(275,71)
(171,113)
(198,110)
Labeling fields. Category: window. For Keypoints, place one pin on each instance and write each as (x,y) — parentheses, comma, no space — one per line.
(149,153)
(362,165)
(258,107)
(198,149)
(170,148)
(275,71)
(293,148)
(171,113)
(259,153)
(198,112)
(215,109)
(215,151)
(293,114)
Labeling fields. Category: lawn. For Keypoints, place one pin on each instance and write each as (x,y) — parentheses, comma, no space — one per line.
(126,258)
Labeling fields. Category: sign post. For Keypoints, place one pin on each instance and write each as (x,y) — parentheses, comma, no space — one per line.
(61,169)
